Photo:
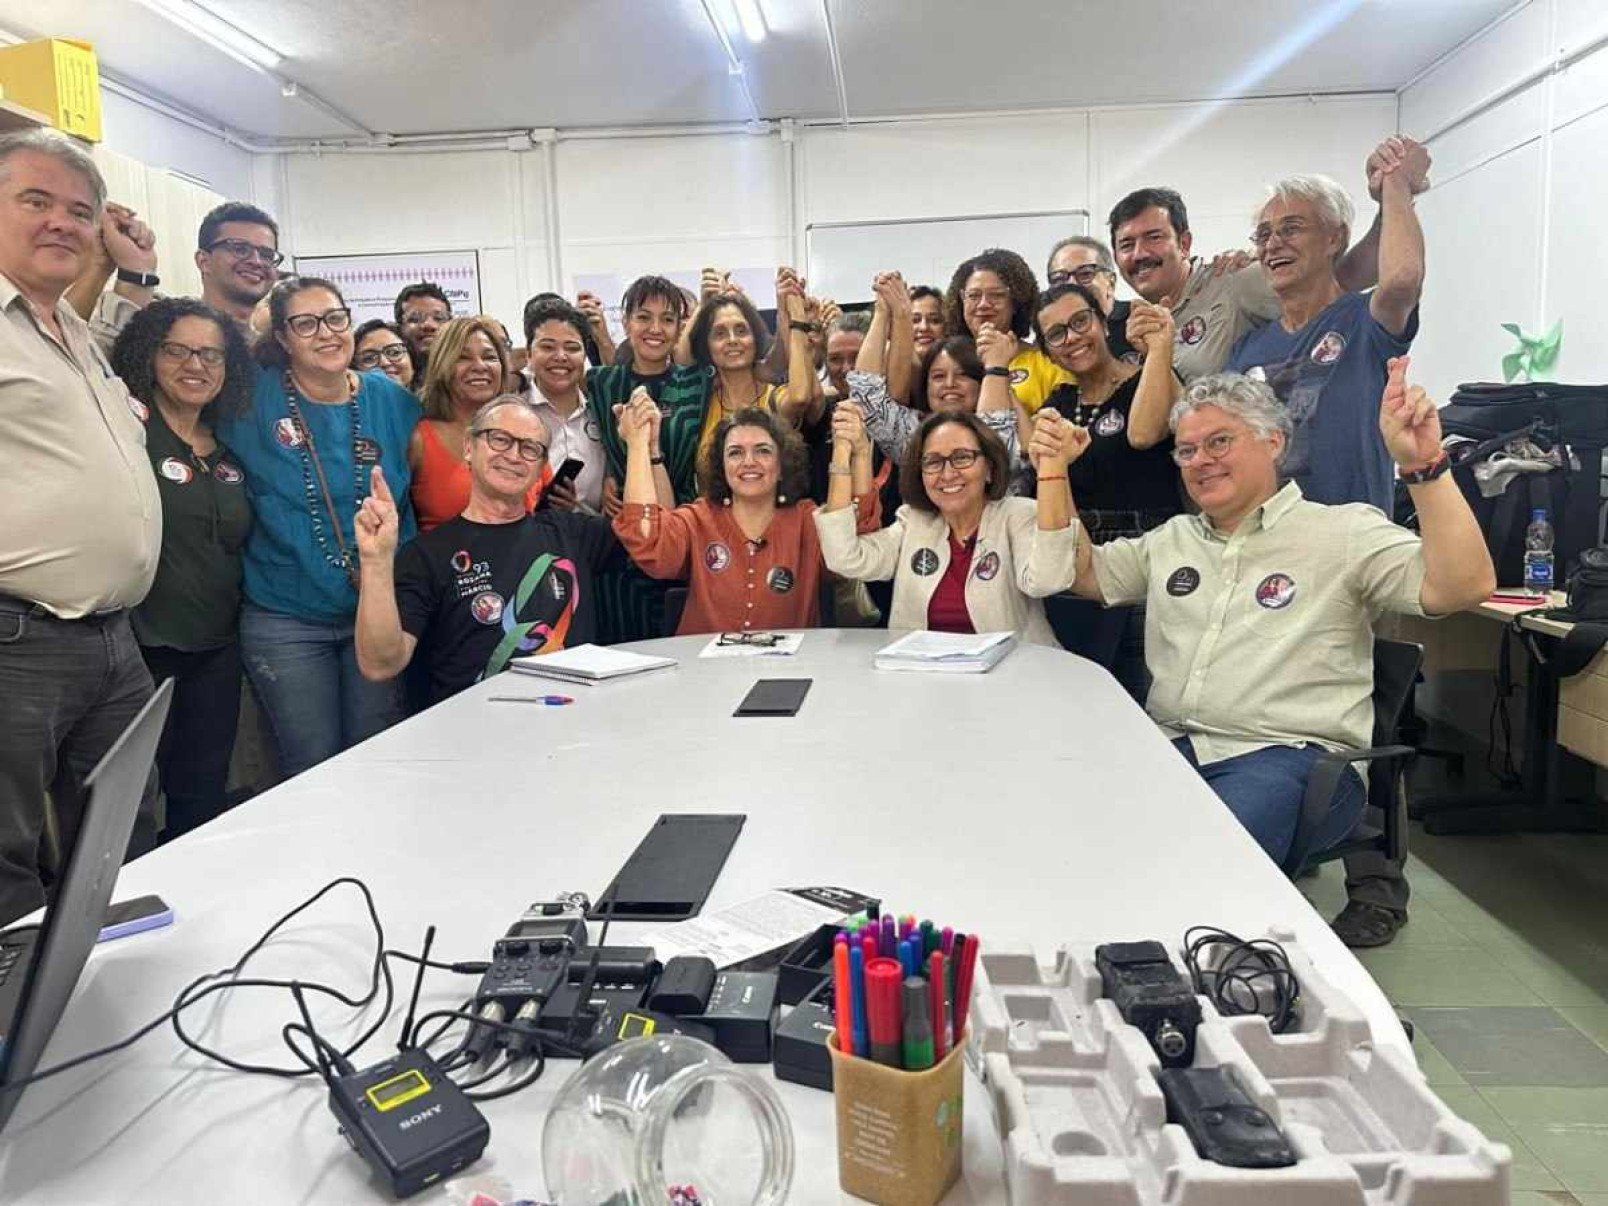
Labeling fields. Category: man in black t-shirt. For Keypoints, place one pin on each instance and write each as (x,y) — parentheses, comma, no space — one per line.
(493,584)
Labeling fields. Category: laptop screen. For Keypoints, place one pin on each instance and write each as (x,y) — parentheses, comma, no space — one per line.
(73,920)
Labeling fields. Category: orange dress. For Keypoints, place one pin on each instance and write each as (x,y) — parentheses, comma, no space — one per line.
(441,482)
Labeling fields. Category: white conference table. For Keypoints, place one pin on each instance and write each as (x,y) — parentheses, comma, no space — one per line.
(1034,803)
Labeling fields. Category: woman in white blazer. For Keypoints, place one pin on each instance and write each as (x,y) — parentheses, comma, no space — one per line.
(964,557)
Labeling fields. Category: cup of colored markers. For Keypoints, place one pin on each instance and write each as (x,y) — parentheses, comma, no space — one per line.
(901,996)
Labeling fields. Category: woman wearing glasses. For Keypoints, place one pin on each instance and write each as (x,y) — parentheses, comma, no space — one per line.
(747,547)
(997,289)
(188,365)
(467,368)
(1126,483)
(314,432)
(379,345)
(963,557)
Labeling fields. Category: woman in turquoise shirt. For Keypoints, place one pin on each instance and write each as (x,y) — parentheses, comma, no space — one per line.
(309,443)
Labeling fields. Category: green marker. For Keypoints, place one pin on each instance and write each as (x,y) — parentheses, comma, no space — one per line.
(917,1026)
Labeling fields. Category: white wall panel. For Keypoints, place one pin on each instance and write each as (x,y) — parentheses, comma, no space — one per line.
(1582,88)
(1484,265)
(1504,53)
(1520,119)
(1577,261)
(160,142)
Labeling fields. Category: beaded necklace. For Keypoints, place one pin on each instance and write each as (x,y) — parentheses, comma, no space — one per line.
(311,465)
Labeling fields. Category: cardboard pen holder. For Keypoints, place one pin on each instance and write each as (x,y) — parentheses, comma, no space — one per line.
(898,1133)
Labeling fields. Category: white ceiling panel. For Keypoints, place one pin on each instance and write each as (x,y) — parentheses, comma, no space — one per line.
(437,66)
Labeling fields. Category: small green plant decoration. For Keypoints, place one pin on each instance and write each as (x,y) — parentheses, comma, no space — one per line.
(1534,356)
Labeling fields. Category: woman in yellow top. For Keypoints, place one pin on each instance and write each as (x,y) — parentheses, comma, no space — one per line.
(728,338)
(997,287)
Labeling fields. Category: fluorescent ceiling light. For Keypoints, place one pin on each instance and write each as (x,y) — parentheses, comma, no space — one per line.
(749,17)
(217,33)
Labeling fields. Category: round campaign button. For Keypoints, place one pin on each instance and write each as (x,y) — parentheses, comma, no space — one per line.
(1276,591)
(924,562)
(780,579)
(988,567)
(716,556)
(176,470)
(1183,581)
(486,607)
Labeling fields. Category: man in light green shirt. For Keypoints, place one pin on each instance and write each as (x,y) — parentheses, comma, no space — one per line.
(1260,610)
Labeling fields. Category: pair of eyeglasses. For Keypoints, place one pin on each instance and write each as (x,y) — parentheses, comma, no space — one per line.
(179,353)
(1076,276)
(242,250)
(962,458)
(1290,228)
(1079,324)
(498,440)
(998,297)
(334,321)
(415,317)
(762,640)
(391,353)
(1214,446)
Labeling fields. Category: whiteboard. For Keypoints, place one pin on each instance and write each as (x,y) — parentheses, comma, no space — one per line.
(842,257)
(370,283)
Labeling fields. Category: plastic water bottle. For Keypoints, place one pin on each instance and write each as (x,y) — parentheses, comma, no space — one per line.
(1538,552)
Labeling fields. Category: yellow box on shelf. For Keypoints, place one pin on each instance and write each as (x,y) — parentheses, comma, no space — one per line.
(60,78)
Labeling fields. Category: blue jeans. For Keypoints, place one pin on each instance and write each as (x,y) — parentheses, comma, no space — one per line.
(200,736)
(1264,790)
(305,675)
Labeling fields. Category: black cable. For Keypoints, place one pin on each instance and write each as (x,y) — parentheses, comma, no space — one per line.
(1245,977)
(193,993)
(465,968)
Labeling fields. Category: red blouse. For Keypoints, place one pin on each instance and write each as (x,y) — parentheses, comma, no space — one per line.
(946,610)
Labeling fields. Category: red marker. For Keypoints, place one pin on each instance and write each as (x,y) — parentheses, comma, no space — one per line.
(882,1007)
(936,1003)
(843,1014)
(966,968)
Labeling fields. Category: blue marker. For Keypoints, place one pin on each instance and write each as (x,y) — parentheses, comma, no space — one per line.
(857,1017)
(909,959)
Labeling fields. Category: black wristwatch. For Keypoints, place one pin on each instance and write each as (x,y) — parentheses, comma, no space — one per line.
(145,280)
(810,327)
(1435,468)
(996,370)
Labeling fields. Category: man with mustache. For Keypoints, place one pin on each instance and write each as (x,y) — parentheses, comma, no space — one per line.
(1213,309)
(83,520)
(237,254)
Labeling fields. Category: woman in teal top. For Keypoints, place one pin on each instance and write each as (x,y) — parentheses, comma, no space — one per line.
(309,443)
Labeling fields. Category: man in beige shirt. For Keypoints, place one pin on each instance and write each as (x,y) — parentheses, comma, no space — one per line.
(1260,610)
(83,520)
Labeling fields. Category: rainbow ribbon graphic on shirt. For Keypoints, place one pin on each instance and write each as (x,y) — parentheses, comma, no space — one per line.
(522,638)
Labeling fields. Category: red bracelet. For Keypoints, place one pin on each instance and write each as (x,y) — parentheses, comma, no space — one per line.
(1059,478)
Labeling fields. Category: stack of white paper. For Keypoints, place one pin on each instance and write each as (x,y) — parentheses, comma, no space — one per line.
(589,664)
(952,652)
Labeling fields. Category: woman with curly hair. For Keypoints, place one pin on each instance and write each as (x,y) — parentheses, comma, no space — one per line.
(748,545)
(188,365)
(996,288)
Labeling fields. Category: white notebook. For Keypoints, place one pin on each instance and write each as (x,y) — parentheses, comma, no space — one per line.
(589,664)
(952,652)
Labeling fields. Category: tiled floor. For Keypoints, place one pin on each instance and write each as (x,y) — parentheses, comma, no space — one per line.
(1503,970)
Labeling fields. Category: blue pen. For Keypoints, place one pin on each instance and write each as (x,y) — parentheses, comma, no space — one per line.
(857,1019)
(548,701)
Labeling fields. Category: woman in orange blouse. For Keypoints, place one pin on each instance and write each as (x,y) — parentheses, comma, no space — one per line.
(466,369)
(749,545)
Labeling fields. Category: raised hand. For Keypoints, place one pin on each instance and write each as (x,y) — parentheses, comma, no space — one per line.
(375,523)
(790,294)
(890,290)
(638,419)
(1408,419)
(848,428)
(711,281)
(1225,262)
(829,312)
(1398,155)
(1150,327)
(130,244)
(591,307)
(996,348)
(1055,442)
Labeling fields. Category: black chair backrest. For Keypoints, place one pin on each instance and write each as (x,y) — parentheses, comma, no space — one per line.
(675,602)
(1396,666)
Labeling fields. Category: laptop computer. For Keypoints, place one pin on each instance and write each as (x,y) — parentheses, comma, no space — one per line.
(49,956)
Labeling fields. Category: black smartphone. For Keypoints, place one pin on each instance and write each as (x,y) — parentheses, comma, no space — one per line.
(566,475)
(131,916)
(670,873)
(775,697)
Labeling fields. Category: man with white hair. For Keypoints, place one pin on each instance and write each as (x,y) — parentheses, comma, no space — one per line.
(83,520)
(1325,353)
(1085,260)
(1260,610)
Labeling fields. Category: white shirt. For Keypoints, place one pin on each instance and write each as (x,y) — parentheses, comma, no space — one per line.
(575,438)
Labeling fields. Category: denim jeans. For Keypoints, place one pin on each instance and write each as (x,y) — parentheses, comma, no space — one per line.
(199,739)
(1264,789)
(305,675)
(70,688)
